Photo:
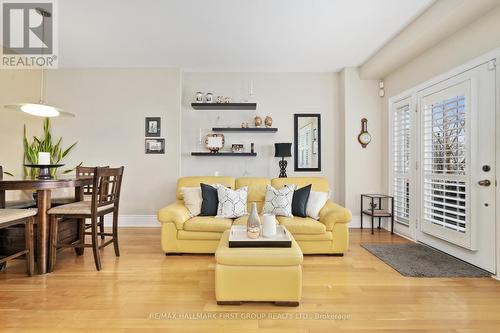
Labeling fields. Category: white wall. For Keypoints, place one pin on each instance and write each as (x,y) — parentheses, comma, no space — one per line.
(110,106)
(279,95)
(362,166)
(17,86)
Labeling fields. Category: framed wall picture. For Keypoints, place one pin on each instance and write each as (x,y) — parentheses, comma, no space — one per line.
(153,126)
(155,146)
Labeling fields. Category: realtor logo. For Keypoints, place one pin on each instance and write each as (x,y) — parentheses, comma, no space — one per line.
(28,34)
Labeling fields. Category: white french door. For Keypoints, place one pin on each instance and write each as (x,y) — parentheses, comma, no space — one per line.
(402,162)
(448,192)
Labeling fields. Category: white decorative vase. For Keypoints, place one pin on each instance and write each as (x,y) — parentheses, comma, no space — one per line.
(269,225)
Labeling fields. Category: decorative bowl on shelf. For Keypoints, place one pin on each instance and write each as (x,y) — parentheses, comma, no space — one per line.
(214,142)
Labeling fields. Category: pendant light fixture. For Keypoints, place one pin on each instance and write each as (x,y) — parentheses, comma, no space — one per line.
(40,109)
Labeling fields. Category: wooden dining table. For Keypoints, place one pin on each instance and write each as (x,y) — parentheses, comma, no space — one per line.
(43,188)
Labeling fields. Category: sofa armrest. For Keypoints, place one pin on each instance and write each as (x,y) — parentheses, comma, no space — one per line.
(176,213)
(333,213)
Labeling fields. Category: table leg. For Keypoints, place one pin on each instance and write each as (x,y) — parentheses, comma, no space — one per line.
(80,222)
(361,212)
(43,205)
(373,214)
(379,207)
(2,199)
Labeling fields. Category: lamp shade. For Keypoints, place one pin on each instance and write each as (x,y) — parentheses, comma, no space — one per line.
(282,149)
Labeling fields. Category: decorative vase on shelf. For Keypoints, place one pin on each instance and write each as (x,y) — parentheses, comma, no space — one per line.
(199,97)
(258,121)
(268,121)
(253,223)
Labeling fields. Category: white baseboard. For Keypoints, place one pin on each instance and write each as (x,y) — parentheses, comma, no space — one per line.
(355,222)
(133,221)
(151,221)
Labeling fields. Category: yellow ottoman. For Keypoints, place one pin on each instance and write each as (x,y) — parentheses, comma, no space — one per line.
(258,274)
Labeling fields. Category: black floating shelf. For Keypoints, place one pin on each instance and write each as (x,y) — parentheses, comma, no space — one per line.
(222,154)
(224,106)
(250,129)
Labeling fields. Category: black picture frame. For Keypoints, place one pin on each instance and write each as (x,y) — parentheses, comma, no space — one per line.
(296,141)
(152,127)
(150,149)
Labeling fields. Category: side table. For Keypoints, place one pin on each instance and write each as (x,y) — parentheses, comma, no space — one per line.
(381,205)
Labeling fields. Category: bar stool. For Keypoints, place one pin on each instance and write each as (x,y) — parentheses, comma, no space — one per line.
(105,200)
(10,217)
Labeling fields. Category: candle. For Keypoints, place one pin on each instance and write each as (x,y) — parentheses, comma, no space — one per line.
(43,158)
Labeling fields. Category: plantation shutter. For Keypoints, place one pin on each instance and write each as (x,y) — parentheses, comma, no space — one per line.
(401,145)
(445,156)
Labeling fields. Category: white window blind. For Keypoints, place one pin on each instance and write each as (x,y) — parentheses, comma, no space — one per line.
(401,127)
(445,182)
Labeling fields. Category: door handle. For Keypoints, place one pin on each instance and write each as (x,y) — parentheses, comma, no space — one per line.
(484,182)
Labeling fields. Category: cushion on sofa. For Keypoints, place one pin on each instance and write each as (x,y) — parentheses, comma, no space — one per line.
(318,183)
(256,189)
(279,201)
(299,201)
(302,225)
(199,235)
(207,223)
(192,199)
(210,201)
(243,220)
(316,202)
(232,203)
(197,180)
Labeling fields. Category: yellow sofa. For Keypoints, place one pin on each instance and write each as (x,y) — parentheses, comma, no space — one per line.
(181,233)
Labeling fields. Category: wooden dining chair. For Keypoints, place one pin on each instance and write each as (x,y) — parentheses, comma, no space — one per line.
(105,200)
(82,171)
(10,217)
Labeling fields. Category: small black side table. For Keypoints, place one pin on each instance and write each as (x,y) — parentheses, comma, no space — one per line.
(379,207)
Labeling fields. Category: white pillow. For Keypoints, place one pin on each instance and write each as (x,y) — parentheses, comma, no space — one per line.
(192,199)
(232,204)
(316,201)
(279,202)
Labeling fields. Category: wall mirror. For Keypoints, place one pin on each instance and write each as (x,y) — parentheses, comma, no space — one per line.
(307,142)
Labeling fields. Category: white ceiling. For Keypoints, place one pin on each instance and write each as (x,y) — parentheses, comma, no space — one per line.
(229,35)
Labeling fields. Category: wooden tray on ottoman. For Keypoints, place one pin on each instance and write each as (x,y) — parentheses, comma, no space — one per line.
(238,238)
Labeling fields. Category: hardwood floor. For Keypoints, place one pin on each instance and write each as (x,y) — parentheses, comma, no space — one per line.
(141,288)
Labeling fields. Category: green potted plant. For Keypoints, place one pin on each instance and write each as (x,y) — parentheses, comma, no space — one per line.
(44,144)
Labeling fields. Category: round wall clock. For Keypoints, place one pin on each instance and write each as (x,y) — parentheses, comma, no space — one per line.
(364,137)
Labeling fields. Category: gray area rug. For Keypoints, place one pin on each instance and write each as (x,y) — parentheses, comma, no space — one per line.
(417,260)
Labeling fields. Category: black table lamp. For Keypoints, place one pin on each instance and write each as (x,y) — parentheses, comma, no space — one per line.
(282,150)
